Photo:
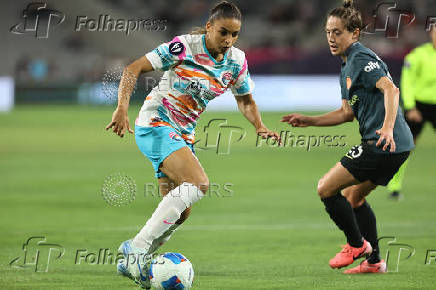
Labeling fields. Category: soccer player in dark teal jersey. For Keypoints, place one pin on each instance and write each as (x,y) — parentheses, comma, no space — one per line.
(370,96)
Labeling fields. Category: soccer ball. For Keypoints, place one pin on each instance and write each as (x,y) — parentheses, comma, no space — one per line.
(171,271)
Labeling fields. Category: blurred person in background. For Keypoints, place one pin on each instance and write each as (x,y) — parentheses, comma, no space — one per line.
(418,91)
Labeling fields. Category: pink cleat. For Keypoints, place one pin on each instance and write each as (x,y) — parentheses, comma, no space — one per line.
(349,254)
(366,267)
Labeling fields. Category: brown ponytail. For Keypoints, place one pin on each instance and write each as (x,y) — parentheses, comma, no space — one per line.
(350,16)
(223,9)
(198,30)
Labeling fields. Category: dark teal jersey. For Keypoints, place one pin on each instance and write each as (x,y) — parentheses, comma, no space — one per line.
(359,75)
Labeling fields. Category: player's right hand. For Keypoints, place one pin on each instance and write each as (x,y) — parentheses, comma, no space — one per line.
(120,122)
(297,120)
(414,115)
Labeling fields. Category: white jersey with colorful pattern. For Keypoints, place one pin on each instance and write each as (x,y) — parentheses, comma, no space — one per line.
(192,78)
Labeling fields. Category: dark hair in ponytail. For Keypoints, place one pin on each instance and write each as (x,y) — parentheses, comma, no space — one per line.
(223,9)
(349,15)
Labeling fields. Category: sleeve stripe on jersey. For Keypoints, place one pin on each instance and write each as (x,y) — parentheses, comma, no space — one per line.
(244,68)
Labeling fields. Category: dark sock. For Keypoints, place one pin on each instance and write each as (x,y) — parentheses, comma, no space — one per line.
(366,221)
(341,213)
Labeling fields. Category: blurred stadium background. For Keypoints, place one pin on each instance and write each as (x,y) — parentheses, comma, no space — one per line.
(272,231)
(280,38)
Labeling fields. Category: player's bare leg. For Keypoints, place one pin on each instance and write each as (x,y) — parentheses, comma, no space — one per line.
(341,212)
(336,179)
(182,166)
(366,220)
(191,183)
(356,194)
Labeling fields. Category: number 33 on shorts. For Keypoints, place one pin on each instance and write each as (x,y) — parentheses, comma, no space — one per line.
(355,152)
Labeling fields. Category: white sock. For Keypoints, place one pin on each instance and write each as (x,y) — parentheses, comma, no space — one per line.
(166,214)
(157,243)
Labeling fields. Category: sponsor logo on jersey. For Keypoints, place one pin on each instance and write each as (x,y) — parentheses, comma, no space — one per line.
(176,48)
(371,65)
(348,83)
(175,136)
(196,89)
(354,99)
(226,78)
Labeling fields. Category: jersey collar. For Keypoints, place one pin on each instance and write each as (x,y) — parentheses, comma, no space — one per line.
(210,56)
(351,48)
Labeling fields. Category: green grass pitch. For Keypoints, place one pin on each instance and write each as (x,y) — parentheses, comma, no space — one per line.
(270,231)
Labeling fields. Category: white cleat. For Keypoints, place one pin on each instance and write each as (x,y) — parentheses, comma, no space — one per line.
(134,265)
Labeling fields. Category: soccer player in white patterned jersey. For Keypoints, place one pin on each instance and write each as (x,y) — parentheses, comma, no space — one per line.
(198,68)
(191,80)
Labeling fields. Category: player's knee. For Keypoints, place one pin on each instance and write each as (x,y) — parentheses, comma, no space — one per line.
(355,196)
(349,197)
(322,189)
(356,202)
(203,183)
(200,181)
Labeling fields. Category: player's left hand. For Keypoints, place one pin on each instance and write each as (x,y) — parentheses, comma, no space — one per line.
(386,135)
(266,133)
(120,122)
